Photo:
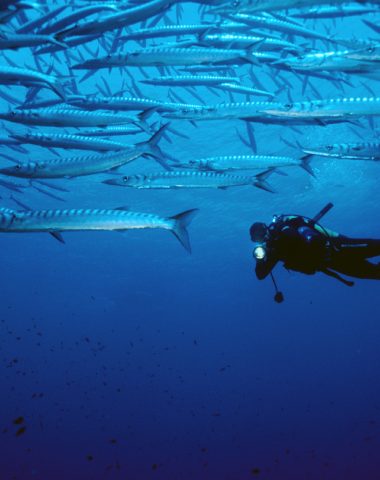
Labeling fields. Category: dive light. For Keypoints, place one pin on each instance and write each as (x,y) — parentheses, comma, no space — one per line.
(259,252)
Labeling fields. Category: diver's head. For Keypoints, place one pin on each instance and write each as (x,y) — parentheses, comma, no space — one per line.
(258,232)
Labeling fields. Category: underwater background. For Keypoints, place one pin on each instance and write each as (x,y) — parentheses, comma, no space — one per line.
(127,358)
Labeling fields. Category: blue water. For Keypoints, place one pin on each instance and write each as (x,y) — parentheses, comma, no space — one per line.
(130,359)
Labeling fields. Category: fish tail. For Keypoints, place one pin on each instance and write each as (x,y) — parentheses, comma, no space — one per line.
(56,40)
(152,149)
(180,222)
(261,180)
(59,90)
(305,164)
(143,117)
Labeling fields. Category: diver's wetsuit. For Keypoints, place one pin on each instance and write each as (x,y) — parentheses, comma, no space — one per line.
(306,247)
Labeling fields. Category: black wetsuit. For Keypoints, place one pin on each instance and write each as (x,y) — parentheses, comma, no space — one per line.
(306,247)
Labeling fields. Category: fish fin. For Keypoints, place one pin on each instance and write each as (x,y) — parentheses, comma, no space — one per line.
(57,236)
(305,164)
(151,146)
(123,207)
(181,221)
(260,180)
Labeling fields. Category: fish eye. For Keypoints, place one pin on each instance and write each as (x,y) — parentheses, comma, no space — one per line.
(18,167)
(329,147)
(125,179)
(288,106)
(13,113)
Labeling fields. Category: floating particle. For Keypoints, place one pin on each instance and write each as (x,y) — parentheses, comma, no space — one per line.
(255,471)
(20,431)
(90,458)
(154,466)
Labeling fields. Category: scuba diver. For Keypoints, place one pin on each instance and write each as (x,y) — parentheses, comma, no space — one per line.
(303,245)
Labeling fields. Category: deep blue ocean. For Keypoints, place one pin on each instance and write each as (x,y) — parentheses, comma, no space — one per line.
(127,358)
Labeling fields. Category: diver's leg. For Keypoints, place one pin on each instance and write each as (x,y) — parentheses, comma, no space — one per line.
(360,247)
(335,275)
(355,267)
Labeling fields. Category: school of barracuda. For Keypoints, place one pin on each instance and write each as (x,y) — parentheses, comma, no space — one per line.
(233,49)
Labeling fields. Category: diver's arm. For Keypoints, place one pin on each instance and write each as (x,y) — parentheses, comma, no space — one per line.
(264,267)
(335,275)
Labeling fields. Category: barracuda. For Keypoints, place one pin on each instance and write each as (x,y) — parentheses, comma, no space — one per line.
(61,140)
(348,61)
(344,108)
(60,117)
(241,162)
(123,103)
(174,30)
(70,42)
(273,23)
(78,14)
(261,112)
(190,80)
(121,19)
(14,41)
(243,110)
(110,131)
(335,11)
(87,165)
(40,20)
(191,179)
(172,56)
(244,41)
(236,88)
(349,151)
(258,6)
(168,31)
(25,77)
(56,221)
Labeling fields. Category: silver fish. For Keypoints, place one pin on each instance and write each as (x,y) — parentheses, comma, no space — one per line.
(121,19)
(110,131)
(56,221)
(259,6)
(26,77)
(191,179)
(64,117)
(335,11)
(14,41)
(190,80)
(224,40)
(62,140)
(225,163)
(273,23)
(350,151)
(78,14)
(348,61)
(172,56)
(344,108)
(87,165)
